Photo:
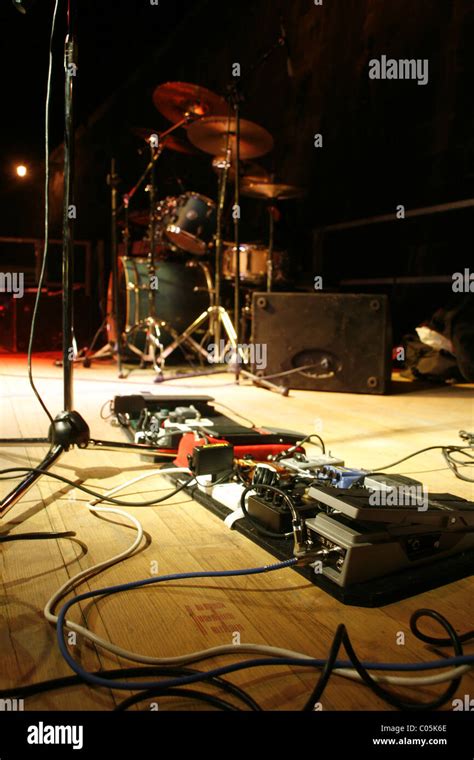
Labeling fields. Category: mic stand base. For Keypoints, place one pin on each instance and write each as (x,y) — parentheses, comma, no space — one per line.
(68,429)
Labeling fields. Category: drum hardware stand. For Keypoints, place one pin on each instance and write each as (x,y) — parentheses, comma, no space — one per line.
(153,346)
(109,350)
(217,317)
(216,314)
(235,98)
(152,337)
(113,180)
(272,210)
(68,429)
(106,352)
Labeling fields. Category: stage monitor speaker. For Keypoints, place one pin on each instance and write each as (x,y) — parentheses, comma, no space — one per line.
(339,343)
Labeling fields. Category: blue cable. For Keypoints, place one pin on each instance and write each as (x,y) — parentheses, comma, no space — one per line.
(247,664)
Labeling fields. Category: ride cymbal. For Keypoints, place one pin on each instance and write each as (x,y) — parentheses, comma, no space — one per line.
(210,135)
(177,99)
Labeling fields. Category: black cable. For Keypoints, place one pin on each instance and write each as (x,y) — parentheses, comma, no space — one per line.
(109,499)
(466,436)
(291,449)
(46,222)
(36,536)
(465,452)
(396,701)
(321,442)
(297,371)
(447,452)
(417,453)
(144,448)
(111,411)
(199,696)
(240,476)
(342,639)
(463,638)
(223,479)
(101,497)
(453,464)
(237,414)
(64,682)
(400,461)
(323,679)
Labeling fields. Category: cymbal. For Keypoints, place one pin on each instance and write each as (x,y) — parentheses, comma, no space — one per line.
(176,99)
(210,134)
(271,190)
(172,142)
(250,171)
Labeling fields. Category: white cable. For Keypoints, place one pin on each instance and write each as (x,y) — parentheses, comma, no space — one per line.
(194,657)
(461,670)
(90,571)
(164,471)
(95,569)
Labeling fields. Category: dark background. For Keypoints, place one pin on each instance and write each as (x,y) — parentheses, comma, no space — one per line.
(385,142)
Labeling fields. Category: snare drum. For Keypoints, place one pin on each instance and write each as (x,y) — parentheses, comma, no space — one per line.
(190,222)
(253,263)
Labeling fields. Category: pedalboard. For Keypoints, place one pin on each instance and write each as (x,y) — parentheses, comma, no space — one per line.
(163,421)
(374,548)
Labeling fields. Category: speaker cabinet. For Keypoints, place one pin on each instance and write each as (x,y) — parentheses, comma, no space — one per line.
(338,343)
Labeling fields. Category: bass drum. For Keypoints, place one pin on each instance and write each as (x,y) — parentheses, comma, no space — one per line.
(180,294)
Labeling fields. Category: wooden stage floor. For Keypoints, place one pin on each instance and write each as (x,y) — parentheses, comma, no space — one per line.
(280,609)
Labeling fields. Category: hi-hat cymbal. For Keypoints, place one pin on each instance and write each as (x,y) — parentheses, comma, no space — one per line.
(271,190)
(176,99)
(171,142)
(210,134)
(250,171)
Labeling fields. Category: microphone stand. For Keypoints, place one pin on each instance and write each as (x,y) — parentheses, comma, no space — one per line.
(216,313)
(236,97)
(68,429)
(114,182)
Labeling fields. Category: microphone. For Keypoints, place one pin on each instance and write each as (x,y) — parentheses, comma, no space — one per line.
(22,5)
(284,42)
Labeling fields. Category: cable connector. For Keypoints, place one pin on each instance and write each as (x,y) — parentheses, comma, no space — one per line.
(468,437)
(309,554)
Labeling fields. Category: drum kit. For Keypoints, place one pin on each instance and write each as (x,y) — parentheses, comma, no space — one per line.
(169,296)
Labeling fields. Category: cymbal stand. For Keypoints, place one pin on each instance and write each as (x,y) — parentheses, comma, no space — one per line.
(272,210)
(217,317)
(216,314)
(151,324)
(236,97)
(113,346)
